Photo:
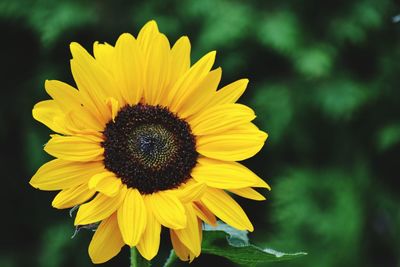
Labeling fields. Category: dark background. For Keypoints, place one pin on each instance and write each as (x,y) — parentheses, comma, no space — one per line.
(324,82)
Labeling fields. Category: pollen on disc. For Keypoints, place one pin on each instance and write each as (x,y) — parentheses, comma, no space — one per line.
(149,148)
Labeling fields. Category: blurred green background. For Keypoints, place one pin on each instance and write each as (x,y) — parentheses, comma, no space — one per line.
(324,81)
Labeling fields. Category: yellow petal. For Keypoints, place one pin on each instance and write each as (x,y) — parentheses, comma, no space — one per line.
(60,174)
(146,37)
(190,191)
(106,183)
(81,121)
(129,68)
(150,242)
(189,236)
(184,87)
(68,100)
(204,213)
(167,209)
(95,84)
(221,118)
(66,96)
(132,217)
(75,148)
(250,128)
(104,54)
(230,93)
(236,144)
(48,113)
(225,208)
(225,174)
(106,242)
(73,196)
(113,107)
(201,96)
(248,192)
(180,59)
(157,71)
(181,251)
(99,208)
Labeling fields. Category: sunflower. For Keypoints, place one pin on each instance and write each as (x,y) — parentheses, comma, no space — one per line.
(148,141)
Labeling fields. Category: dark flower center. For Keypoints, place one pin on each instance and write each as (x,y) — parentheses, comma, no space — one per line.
(149,148)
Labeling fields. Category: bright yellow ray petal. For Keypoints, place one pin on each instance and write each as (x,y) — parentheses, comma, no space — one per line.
(184,87)
(225,174)
(248,192)
(204,213)
(113,107)
(75,148)
(80,121)
(225,208)
(132,217)
(249,128)
(106,183)
(230,93)
(157,71)
(95,84)
(180,59)
(48,113)
(167,208)
(146,37)
(99,208)
(221,118)
(201,97)
(68,100)
(106,242)
(189,236)
(105,55)
(236,144)
(73,196)
(129,68)
(190,191)
(66,96)
(181,251)
(150,241)
(60,174)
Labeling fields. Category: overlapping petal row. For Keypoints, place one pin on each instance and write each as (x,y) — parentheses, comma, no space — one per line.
(148,70)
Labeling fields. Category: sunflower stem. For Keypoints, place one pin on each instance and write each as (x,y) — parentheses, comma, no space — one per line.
(137,260)
(171,259)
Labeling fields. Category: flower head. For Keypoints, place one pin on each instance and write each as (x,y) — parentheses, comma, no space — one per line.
(148,141)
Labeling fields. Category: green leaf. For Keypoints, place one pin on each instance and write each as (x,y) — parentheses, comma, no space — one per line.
(234,245)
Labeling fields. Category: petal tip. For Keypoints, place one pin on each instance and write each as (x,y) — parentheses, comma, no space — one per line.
(33,183)
(152,23)
(125,35)
(264,136)
(212,53)
(150,26)
(55,204)
(73,46)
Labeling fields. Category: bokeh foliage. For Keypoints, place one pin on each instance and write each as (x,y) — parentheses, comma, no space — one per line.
(325,86)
